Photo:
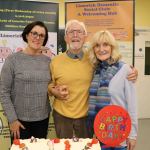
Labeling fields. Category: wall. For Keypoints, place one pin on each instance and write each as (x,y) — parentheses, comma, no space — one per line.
(142,13)
(142,23)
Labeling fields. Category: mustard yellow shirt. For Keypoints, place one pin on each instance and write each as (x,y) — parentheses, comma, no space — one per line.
(77,75)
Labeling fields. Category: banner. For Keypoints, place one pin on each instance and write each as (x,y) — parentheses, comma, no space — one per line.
(115,16)
(15,15)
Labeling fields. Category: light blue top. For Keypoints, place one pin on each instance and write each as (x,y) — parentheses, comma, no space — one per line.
(123,93)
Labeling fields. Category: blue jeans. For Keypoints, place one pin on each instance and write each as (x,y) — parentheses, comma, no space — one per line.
(114,148)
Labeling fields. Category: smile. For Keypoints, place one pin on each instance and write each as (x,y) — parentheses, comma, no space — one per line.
(103,52)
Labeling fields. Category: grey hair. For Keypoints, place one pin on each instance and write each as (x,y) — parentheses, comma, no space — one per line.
(70,22)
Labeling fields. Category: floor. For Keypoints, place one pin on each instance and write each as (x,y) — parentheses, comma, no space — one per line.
(143,140)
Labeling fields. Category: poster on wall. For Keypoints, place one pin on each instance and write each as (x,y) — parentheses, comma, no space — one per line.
(15,15)
(115,16)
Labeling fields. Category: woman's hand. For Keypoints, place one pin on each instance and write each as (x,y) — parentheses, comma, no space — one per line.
(15,129)
(62,92)
(131,144)
(59,91)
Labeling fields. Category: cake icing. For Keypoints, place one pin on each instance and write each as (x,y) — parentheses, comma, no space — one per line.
(55,144)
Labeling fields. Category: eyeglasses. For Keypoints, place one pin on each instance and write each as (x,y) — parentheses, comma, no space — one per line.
(35,35)
(72,32)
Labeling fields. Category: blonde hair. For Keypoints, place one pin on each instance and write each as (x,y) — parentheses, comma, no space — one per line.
(70,22)
(104,37)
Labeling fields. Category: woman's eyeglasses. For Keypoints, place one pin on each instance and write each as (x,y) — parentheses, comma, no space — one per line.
(35,35)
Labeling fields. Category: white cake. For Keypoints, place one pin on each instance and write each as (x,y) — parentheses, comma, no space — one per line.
(56,144)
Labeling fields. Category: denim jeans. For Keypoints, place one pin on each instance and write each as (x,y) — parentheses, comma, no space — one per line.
(114,148)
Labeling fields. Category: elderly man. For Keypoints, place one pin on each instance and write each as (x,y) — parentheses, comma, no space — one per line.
(72,74)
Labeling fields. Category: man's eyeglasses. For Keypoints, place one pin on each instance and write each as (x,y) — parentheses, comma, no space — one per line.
(72,32)
(35,35)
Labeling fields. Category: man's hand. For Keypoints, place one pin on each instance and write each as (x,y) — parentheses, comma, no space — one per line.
(15,129)
(131,144)
(133,75)
(59,91)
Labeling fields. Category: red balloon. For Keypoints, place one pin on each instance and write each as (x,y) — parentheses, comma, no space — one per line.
(112,125)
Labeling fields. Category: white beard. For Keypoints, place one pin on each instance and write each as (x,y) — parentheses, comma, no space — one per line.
(75,46)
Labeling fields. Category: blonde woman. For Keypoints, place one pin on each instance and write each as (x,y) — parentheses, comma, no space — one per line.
(110,84)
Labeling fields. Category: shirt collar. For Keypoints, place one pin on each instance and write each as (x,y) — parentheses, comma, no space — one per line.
(75,56)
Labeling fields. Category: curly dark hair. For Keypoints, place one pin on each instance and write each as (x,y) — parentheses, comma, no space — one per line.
(29,27)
